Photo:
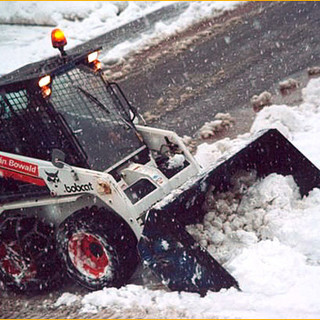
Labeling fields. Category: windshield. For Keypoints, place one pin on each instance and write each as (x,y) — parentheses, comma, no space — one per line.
(29,127)
(93,114)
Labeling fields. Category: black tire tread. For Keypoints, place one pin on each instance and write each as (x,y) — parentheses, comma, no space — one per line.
(117,235)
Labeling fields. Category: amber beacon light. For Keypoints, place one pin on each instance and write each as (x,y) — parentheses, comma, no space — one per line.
(58,40)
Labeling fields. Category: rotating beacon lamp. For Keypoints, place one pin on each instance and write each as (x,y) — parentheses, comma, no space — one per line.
(59,40)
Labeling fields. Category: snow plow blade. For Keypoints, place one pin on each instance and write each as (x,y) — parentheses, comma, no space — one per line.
(171,252)
(181,264)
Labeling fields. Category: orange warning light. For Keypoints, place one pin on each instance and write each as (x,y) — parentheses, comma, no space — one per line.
(58,38)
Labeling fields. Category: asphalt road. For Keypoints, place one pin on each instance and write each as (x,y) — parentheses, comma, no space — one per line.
(235,57)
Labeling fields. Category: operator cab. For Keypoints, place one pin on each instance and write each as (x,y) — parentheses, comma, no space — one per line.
(65,103)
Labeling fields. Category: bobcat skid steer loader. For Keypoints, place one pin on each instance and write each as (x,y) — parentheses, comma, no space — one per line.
(86,191)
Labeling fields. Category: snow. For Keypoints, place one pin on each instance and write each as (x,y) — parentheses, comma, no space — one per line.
(176,161)
(268,241)
(208,154)
(67,299)
(222,122)
(81,21)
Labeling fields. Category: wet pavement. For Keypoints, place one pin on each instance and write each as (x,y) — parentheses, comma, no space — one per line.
(229,60)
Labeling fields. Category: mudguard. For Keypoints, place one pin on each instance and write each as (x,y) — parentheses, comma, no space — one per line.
(172,253)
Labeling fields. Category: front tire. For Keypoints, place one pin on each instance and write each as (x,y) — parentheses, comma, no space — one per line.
(99,248)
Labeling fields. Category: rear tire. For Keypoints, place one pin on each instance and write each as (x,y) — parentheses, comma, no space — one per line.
(98,248)
(28,259)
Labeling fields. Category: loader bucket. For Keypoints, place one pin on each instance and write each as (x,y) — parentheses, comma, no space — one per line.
(172,253)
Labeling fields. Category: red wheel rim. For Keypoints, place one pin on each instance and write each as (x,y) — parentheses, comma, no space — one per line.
(15,264)
(88,255)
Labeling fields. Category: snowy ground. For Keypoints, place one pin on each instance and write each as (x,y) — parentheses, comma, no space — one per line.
(271,247)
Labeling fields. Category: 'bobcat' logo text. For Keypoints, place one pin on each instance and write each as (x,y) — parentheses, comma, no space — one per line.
(78,188)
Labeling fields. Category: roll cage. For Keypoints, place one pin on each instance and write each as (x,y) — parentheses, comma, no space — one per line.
(84,115)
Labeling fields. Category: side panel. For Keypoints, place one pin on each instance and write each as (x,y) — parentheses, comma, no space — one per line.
(19,179)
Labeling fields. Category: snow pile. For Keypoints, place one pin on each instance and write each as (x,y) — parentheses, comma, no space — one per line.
(306,137)
(313,71)
(261,100)
(287,85)
(241,217)
(277,283)
(86,17)
(286,120)
(222,122)
(269,209)
(208,154)
(67,299)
